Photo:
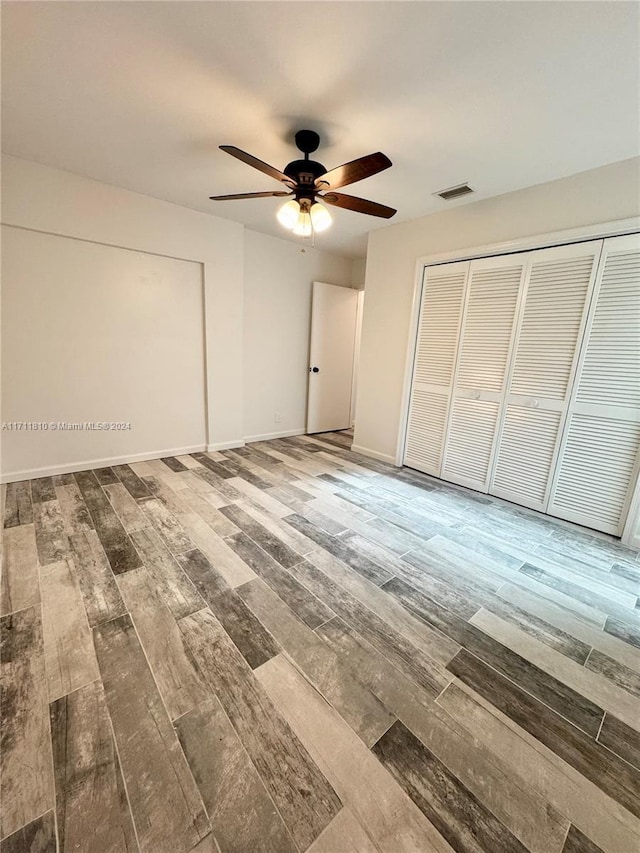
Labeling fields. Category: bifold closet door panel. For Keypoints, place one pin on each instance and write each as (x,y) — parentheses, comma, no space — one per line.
(443,291)
(551,321)
(598,458)
(483,358)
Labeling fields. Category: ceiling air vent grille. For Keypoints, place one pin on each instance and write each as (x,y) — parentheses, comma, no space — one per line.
(454,192)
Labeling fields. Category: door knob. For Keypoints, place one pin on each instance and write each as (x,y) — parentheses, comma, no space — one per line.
(314,370)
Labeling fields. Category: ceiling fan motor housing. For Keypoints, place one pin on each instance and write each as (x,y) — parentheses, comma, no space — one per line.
(304,173)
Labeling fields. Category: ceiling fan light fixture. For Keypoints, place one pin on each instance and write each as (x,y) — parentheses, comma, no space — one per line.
(288,214)
(321,219)
(303,227)
(305,179)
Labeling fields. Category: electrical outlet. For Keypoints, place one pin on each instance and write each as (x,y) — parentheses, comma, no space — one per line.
(277,418)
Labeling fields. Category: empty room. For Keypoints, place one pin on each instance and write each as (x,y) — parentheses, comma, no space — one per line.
(320,444)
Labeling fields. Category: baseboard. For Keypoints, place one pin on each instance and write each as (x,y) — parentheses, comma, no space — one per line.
(374,454)
(91,464)
(269,435)
(226,445)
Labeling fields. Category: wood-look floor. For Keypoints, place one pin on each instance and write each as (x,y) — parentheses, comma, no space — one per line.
(290,647)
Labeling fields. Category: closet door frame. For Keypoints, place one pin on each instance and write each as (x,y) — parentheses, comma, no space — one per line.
(545,240)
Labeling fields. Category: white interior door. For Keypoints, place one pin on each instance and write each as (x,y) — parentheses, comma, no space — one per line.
(598,458)
(333,338)
(556,299)
(443,291)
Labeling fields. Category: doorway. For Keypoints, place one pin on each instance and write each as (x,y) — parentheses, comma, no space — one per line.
(336,317)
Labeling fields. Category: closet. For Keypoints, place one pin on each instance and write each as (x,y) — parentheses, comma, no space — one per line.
(526,379)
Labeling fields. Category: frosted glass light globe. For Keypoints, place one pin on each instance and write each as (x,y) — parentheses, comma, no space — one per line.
(302,227)
(320,217)
(288,214)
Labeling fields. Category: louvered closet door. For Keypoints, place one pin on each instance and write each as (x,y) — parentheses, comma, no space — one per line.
(551,321)
(443,292)
(483,358)
(599,453)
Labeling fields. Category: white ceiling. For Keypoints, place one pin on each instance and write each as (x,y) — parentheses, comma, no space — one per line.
(500,94)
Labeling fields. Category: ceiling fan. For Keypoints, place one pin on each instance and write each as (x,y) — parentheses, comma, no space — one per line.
(308,181)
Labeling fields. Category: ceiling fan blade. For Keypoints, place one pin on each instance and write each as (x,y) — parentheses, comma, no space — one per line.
(360,205)
(354,171)
(250,160)
(247,195)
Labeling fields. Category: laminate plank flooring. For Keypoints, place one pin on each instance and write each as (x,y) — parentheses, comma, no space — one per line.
(578,843)
(69,656)
(582,713)
(289,647)
(18,508)
(165,522)
(386,814)
(303,796)
(130,480)
(240,808)
(603,693)
(457,814)
(52,541)
(118,546)
(170,581)
(105,476)
(176,676)
(530,763)
(344,833)
(615,777)
(274,546)
(250,635)
(102,599)
(297,597)
(75,514)
(364,712)
(174,464)
(90,812)
(340,549)
(39,836)
(165,803)
(19,587)
(527,814)
(621,739)
(126,508)
(25,758)
(43,490)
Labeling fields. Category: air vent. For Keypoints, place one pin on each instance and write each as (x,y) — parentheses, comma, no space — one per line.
(454,192)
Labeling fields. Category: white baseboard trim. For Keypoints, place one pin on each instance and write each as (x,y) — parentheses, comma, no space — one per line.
(91,464)
(226,445)
(269,435)
(374,454)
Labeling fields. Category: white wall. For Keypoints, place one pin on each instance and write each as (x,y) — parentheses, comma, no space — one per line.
(609,193)
(358,271)
(49,200)
(277,316)
(269,346)
(97,333)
